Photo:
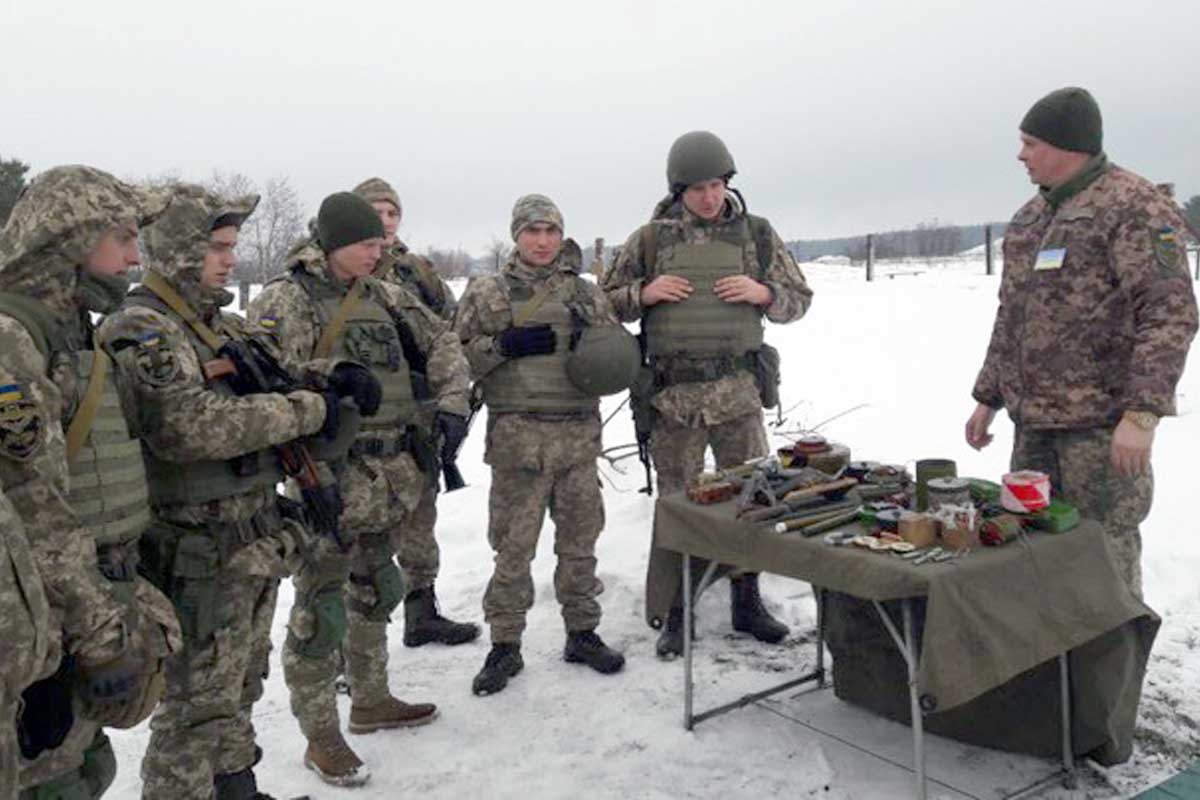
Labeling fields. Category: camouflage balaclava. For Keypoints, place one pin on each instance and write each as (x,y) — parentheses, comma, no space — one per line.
(177,243)
(531,209)
(1067,118)
(375,189)
(57,222)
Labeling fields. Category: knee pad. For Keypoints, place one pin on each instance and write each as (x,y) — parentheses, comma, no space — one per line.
(329,624)
(387,584)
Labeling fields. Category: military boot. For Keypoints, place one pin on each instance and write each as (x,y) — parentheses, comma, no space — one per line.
(502,663)
(747,611)
(670,641)
(423,623)
(331,758)
(391,713)
(240,785)
(585,647)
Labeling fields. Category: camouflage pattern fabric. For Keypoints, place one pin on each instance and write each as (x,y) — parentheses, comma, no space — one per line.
(678,455)
(705,403)
(1081,473)
(60,217)
(377,189)
(414,541)
(203,727)
(531,209)
(1097,310)
(380,493)
(26,626)
(417,274)
(539,463)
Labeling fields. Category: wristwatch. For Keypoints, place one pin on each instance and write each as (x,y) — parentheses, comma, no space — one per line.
(1146,420)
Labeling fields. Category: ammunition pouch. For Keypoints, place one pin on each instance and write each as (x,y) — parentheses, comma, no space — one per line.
(766,375)
(388,586)
(681,369)
(88,781)
(640,394)
(329,623)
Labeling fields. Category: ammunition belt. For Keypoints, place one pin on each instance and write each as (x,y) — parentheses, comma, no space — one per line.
(551,416)
(670,371)
(385,446)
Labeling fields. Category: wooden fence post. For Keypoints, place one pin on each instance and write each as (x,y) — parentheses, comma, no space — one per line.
(987,238)
(870,257)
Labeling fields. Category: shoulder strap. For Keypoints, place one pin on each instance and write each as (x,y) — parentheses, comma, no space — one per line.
(160,288)
(85,416)
(531,308)
(649,247)
(47,332)
(760,230)
(333,330)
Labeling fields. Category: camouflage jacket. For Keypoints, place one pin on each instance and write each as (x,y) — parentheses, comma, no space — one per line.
(524,441)
(181,417)
(416,274)
(700,404)
(1096,309)
(58,220)
(25,625)
(377,491)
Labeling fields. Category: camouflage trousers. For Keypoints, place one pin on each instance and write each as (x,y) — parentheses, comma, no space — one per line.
(415,544)
(517,505)
(363,653)
(92,772)
(1081,473)
(678,456)
(202,728)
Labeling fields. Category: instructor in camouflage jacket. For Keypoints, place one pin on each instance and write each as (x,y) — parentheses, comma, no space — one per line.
(219,544)
(1096,317)
(327,306)
(73,471)
(543,437)
(416,546)
(701,275)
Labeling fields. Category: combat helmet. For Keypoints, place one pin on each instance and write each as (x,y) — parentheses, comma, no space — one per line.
(604,360)
(698,156)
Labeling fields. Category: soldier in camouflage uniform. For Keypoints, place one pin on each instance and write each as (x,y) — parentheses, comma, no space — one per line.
(416,546)
(326,305)
(702,275)
(1096,316)
(219,544)
(543,437)
(25,629)
(70,467)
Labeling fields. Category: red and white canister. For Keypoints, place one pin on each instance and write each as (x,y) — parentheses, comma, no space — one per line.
(1025,491)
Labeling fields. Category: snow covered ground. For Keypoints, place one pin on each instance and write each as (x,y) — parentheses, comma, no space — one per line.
(901,352)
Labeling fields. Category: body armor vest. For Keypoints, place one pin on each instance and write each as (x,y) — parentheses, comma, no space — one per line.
(703,325)
(108,487)
(369,336)
(538,383)
(198,482)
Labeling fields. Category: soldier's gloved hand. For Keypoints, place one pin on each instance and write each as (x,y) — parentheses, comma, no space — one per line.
(535,340)
(453,429)
(356,382)
(333,417)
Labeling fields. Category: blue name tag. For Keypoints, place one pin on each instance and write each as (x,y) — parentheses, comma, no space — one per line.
(1050,259)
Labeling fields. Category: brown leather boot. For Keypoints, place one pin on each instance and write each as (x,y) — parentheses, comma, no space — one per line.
(331,758)
(391,713)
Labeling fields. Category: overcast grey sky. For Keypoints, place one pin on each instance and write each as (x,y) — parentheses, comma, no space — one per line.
(842,117)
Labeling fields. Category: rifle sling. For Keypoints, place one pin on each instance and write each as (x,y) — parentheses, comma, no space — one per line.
(159,286)
(85,416)
(331,333)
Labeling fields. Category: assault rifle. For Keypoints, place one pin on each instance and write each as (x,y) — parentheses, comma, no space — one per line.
(251,369)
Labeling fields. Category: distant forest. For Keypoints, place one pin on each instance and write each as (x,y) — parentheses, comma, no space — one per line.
(926,240)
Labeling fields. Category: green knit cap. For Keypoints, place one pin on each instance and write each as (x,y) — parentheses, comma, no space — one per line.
(1068,119)
(344,219)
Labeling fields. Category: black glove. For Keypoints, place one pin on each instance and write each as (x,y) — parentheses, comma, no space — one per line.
(452,429)
(47,715)
(536,340)
(357,382)
(333,417)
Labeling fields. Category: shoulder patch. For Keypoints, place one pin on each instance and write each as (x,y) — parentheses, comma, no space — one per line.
(1167,251)
(20,424)
(155,361)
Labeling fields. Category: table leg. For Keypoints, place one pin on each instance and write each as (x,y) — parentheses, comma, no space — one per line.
(1068,749)
(918,723)
(820,635)
(687,642)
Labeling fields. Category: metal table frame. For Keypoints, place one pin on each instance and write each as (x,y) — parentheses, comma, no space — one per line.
(904,641)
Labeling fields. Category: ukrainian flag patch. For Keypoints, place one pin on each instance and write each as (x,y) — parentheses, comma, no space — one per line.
(11,393)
